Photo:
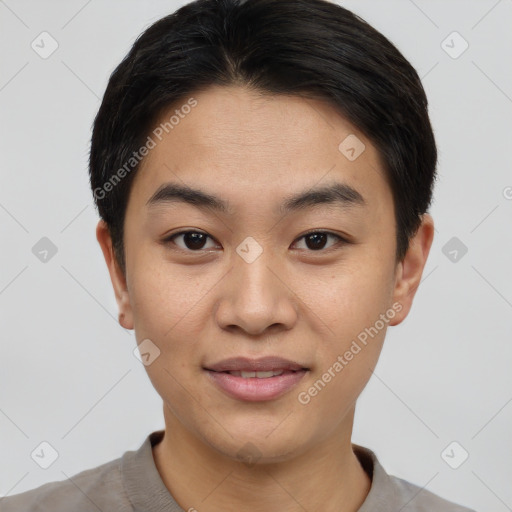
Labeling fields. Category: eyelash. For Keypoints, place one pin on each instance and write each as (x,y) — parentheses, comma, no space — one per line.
(341,241)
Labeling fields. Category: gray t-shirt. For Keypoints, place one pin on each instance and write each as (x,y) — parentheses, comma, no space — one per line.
(132,483)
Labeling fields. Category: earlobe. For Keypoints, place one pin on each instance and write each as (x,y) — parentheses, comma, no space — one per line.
(116,275)
(410,269)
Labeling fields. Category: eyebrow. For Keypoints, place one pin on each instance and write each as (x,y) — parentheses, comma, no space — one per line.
(336,193)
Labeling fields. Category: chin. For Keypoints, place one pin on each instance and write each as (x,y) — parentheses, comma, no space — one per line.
(251,444)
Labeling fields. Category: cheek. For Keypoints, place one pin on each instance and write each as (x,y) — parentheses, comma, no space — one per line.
(165,309)
(355,312)
(164,301)
(351,297)
(172,309)
(345,365)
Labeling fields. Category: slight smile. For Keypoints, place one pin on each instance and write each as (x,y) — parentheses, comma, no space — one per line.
(256,380)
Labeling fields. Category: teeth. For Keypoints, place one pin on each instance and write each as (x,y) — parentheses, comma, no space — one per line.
(258,375)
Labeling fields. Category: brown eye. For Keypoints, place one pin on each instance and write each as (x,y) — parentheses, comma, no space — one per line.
(317,240)
(191,240)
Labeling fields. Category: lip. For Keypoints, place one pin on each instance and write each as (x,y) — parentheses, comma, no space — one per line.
(262,364)
(255,389)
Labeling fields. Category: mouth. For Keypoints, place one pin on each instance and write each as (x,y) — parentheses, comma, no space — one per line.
(260,365)
(256,380)
(248,374)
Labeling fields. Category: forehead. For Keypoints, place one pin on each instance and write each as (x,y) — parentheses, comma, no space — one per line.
(236,141)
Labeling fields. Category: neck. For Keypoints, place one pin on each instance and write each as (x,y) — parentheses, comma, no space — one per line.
(327,477)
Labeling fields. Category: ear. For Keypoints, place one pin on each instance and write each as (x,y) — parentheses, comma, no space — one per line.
(410,269)
(116,275)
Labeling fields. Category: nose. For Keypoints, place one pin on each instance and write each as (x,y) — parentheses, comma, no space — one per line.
(256,298)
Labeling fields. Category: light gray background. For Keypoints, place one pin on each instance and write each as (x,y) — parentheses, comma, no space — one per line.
(68,373)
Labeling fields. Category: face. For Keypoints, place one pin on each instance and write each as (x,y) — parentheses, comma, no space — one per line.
(301,289)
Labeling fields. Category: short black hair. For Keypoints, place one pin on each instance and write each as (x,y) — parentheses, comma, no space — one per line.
(311,48)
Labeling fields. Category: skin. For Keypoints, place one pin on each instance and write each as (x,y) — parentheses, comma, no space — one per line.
(302,304)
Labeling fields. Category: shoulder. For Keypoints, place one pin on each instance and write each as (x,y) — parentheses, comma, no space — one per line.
(389,493)
(417,499)
(94,489)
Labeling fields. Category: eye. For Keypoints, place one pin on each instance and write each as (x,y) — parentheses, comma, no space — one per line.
(193,240)
(316,240)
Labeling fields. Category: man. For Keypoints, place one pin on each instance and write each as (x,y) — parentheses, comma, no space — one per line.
(263,171)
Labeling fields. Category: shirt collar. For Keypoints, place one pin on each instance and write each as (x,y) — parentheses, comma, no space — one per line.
(147,492)
(382,495)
